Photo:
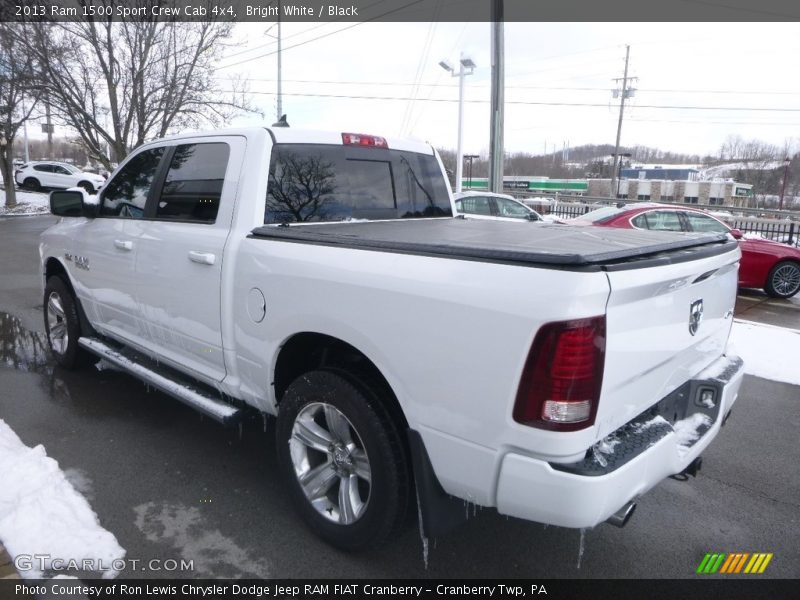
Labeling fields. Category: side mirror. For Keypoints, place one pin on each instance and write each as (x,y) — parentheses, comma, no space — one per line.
(69,203)
(737,234)
(533,217)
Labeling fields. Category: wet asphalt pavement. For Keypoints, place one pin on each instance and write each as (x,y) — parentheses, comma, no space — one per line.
(170,484)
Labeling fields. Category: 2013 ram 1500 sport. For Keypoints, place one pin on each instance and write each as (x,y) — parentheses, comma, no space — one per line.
(555,373)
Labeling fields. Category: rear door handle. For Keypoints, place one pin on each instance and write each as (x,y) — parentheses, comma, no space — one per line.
(203,258)
(123,244)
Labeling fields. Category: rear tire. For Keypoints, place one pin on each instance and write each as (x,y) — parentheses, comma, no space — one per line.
(32,184)
(783,280)
(62,325)
(343,459)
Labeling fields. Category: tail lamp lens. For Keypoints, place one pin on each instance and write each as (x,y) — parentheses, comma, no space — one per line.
(563,375)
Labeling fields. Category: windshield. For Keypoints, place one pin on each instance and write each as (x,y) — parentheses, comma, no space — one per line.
(316,182)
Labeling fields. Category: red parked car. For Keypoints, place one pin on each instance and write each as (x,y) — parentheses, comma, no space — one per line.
(773,266)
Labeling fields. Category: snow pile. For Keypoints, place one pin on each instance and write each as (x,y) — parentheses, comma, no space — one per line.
(41,513)
(657,420)
(769,352)
(28,203)
(688,430)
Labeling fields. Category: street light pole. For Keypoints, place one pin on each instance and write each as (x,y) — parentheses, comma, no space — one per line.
(470,158)
(467,66)
(786,162)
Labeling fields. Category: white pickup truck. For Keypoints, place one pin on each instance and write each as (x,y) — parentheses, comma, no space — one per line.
(554,373)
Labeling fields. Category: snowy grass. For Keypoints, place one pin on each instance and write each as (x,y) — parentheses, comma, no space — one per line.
(41,512)
(28,203)
(768,351)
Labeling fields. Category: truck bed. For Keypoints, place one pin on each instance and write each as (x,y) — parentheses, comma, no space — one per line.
(526,244)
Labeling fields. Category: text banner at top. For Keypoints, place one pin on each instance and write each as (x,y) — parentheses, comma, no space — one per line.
(400,10)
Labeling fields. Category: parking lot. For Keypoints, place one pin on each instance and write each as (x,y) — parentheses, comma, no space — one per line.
(170,484)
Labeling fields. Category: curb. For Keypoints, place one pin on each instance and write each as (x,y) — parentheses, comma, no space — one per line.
(7,570)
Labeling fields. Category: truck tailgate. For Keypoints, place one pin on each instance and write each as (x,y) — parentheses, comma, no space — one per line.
(664,325)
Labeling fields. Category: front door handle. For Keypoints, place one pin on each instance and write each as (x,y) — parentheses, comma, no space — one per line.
(203,258)
(123,244)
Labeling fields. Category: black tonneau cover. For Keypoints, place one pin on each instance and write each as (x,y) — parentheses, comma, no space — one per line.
(534,244)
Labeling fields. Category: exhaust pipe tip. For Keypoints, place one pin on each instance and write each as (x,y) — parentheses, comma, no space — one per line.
(623,515)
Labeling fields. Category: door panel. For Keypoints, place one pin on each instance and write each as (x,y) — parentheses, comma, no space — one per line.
(110,244)
(180,255)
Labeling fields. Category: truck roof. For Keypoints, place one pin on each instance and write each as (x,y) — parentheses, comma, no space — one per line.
(290,135)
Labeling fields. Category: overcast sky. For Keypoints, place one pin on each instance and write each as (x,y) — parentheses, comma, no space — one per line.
(548,66)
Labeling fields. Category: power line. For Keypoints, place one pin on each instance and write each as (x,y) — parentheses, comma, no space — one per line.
(527,87)
(324,35)
(297,33)
(532,103)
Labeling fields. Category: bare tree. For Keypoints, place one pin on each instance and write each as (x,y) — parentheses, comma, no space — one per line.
(301,189)
(16,78)
(119,84)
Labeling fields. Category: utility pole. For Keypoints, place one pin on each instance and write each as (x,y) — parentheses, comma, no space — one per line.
(626,92)
(498,84)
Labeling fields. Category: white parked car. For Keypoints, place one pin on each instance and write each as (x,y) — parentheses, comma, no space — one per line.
(37,175)
(489,205)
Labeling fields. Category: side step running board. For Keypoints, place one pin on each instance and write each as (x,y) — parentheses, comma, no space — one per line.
(205,403)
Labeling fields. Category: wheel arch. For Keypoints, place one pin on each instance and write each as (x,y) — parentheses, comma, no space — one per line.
(54,267)
(305,351)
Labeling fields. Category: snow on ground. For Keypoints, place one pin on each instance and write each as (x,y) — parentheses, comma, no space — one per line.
(768,351)
(41,513)
(28,203)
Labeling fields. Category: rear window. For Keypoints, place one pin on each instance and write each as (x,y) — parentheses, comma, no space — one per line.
(316,182)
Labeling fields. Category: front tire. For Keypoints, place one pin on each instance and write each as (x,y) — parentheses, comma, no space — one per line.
(88,187)
(62,325)
(343,459)
(783,280)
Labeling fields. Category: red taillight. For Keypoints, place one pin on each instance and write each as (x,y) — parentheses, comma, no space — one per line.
(359,139)
(561,381)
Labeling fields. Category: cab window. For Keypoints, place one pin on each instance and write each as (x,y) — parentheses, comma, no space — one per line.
(125,195)
(320,182)
(193,185)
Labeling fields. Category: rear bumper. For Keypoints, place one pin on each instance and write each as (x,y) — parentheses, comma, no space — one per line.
(578,497)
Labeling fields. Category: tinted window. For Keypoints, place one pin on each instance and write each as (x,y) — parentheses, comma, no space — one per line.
(43,168)
(193,185)
(474,205)
(126,194)
(699,222)
(60,170)
(314,182)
